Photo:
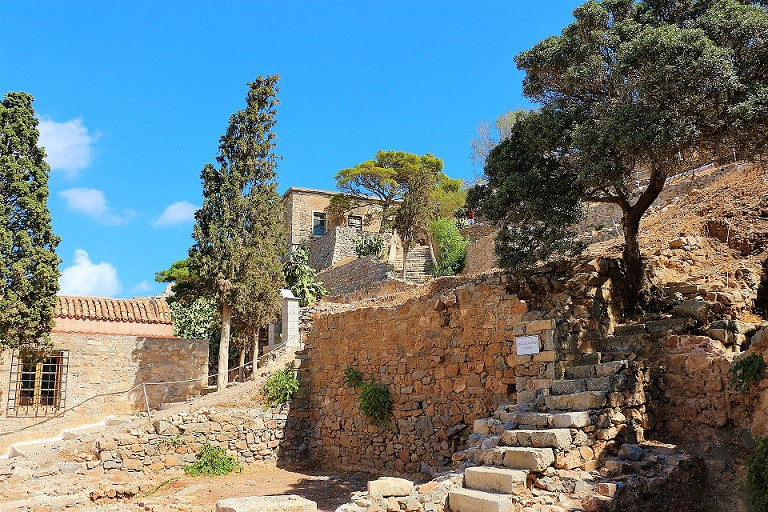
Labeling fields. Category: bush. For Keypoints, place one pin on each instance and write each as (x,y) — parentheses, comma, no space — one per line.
(375,403)
(353,378)
(300,278)
(212,461)
(746,372)
(281,386)
(368,243)
(757,475)
(452,247)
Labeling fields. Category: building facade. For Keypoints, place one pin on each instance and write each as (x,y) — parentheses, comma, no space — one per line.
(307,217)
(105,353)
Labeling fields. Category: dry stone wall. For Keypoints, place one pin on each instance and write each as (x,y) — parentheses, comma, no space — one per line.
(249,435)
(448,357)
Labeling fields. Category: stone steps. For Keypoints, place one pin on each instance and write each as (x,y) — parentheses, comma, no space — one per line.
(77,433)
(472,500)
(607,384)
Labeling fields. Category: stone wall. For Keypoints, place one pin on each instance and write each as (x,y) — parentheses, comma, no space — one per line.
(249,435)
(110,365)
(448,357)
(480,252)
(335,246)
(354,275)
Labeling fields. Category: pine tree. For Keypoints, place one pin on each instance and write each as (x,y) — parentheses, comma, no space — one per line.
(238,230)
(28,262)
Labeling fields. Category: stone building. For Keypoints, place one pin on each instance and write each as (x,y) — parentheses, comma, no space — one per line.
(307,217)
(103,349)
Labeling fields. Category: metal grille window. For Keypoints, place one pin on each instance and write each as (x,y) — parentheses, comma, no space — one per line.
(355,221)
(37,387)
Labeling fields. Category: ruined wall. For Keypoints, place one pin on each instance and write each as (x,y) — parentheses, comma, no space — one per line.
(249,435)
(335,246)
(106,364)
(480,252)
(447,357)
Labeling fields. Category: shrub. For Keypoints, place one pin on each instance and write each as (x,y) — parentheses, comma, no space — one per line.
(300,278)
(212,461)
(746,372)
(375,403)
(353,378)
(452,247)
(368,243)
(757,475)
(281,386)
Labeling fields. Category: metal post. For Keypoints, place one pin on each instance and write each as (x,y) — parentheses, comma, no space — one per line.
(146,402)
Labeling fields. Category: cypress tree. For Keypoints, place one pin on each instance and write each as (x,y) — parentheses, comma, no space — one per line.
(28,262)
(238,230)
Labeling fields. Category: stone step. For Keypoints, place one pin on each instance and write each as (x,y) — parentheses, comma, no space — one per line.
(518,457)
(626,343)
(609,383)
(117,420)
(577,401)
(630,329)
(78,432)
(471,500)
(589,371)
(570,419)
(489,478)
(552,438)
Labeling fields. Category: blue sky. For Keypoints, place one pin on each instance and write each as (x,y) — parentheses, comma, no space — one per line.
(134,95)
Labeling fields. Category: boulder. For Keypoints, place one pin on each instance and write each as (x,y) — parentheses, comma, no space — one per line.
(696,309)
(389,486)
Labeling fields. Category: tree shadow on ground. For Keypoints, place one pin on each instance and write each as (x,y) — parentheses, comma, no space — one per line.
(329,490)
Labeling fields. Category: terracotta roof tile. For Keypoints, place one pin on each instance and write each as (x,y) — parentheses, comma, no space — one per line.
(145,311)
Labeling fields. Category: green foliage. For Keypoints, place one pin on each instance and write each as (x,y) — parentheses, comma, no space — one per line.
(300,278)
(212,461)
(353,378)
(452,247)
(173,441)
(198,320)
(757,475)
(29,270)
(390,177)
(281,386)
(368,243)
(629,93)
(238,233)
(747,371)
(448,196)
(375,403)
(185,282)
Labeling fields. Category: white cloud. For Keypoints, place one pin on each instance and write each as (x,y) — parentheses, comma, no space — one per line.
(93,203)
(142,287)
(68,145)
(180,212)
(91,279)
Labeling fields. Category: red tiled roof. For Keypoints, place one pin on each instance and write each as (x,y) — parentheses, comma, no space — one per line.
(144,311)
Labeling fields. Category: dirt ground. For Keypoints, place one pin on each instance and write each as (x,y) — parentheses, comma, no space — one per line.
(328,490)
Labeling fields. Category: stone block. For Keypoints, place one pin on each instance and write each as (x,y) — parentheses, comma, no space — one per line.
(470,500)
(495,479)
(566,387)
(577,401)
(284,503)
(696,309)
(578,419)
(390,486)
(534,459)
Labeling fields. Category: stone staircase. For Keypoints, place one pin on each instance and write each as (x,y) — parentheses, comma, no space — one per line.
(418,267)
(29,448)
(576,423)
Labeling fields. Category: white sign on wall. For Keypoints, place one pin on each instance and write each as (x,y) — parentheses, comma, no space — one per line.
(527,345)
